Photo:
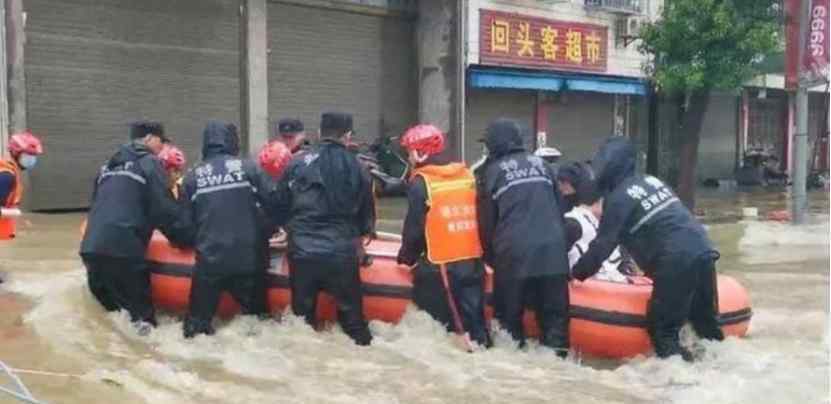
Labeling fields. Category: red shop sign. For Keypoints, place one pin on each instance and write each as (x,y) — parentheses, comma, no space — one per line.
(815,62)
(508,39)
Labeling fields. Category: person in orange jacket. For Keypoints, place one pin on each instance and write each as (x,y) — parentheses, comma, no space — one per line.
(441,236)
(24,147)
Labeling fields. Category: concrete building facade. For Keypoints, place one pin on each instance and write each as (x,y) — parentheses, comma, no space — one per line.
(91,66)
(568,70)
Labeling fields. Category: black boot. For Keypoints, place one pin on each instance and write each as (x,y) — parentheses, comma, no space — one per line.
(557,341)
(482,338)
(193,327)
(670,345)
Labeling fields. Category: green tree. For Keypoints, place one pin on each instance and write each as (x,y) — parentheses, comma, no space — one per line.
(698,46)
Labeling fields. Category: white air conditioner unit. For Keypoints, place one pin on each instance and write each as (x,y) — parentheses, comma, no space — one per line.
(628,29)
(633,26)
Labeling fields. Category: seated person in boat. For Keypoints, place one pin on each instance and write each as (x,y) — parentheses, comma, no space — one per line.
(173,161)
(224,194)
(290,133)
(327,209)
(521,230)
(582,221)
(274,157)
(441,236)
(665,239)
(130,198)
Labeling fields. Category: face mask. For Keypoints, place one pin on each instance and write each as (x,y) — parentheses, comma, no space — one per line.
(27,160)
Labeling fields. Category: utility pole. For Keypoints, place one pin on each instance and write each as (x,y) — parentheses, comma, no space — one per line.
(15,20)
(4,91)
(254,74)
(799,194)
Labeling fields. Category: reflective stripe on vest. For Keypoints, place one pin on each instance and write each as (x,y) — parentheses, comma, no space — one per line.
(451,229)
(13,199)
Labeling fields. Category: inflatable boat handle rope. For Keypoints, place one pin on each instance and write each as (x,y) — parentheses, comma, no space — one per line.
(23,394)
(383,235)
(9,212)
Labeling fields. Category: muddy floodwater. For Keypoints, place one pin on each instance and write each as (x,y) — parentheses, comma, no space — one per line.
(50,323)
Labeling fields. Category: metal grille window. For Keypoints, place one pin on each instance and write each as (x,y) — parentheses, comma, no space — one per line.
(617,6)
(766,125)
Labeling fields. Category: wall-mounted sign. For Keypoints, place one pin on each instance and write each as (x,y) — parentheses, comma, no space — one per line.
(815,62)
(508,39)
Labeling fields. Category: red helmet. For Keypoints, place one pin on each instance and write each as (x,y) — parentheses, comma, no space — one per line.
(424,138)
(25,142)
(172,158)
(274,158)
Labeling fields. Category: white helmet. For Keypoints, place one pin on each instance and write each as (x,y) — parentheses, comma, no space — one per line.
(550,152)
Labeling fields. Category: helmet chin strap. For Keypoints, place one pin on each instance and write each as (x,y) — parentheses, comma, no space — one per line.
(419,158)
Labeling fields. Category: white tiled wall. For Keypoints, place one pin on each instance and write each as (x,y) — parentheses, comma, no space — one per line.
(621,62)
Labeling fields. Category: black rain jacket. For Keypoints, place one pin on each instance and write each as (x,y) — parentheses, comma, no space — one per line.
(520,222)
(325,216)
(642,214)
(227,199)
(131,198)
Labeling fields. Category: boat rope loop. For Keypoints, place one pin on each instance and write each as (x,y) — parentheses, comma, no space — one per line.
(23,394)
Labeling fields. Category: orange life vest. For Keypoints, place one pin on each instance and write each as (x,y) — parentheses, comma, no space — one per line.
(7,224)
(13,199)
(451,227)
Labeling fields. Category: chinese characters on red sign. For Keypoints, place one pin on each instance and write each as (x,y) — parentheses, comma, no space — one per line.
(815,62)
(813,68)
(525,41)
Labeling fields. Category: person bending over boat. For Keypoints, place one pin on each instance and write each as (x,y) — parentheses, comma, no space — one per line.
(551,155)
(24,149)
(582,222)
(327,207)
(130,198)
(226,195)
(645,216)
(291,133)
(521,229)
(441,235)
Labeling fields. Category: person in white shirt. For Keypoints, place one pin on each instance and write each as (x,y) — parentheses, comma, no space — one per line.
(576,182)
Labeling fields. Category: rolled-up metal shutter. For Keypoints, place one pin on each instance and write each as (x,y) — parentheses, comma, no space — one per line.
(483,106)
(93,65)
(328,59)
(579,123)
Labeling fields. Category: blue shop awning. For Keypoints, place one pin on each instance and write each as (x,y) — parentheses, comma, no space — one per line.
(514,79)
(517,79)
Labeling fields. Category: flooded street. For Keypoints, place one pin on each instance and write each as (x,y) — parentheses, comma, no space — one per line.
(49,322)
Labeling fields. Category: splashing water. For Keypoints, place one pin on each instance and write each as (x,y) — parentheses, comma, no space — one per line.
(766,242)
(53,323)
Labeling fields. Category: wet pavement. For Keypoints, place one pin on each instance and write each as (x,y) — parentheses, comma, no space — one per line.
(50,323)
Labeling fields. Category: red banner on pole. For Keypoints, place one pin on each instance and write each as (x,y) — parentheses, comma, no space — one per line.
(508,39)
(815,60)
(792,8)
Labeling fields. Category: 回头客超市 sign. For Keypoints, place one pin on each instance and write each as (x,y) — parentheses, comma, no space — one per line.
(508,39)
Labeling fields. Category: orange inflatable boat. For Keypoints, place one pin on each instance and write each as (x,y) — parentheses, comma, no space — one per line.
(608,319)
(8,225)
